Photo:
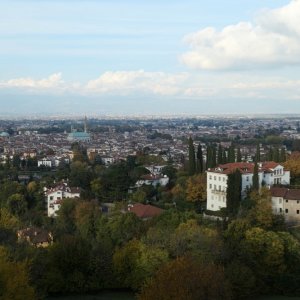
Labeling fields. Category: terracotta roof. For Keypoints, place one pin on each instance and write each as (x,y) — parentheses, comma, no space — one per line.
(278,191)
(245,167)
(293,195)
(289,194)
(35,235)
(145,211)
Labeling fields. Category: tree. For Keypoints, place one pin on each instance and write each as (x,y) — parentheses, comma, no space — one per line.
(187,279)
(192,161)
(276,155)
(196,188)
(14,279)
(220,155)
(255,178)
(282,157)
(234,192)
(17,204)
(257,155)
(239,155)
(261,214)
(231,154)
(135,262)
(200,164)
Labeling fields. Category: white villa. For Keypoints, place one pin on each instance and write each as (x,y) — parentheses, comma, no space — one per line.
(269,173)
(57,194)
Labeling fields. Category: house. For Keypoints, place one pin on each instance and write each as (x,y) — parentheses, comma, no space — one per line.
(145,211)
(286,202)
(57,194)
(53,161)
(269,173)
(35,236)
(153,180)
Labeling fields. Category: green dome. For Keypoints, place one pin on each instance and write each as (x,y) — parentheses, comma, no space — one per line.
(4,134)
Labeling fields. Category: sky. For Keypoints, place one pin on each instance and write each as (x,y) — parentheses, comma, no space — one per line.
(158,57)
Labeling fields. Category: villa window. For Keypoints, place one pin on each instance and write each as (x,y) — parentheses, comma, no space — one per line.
(297,211)
(286,211)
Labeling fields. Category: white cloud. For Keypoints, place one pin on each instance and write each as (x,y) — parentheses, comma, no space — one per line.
(53,81)
(273,39)
(128,82)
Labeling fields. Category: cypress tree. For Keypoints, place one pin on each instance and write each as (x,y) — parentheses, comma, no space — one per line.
(224,157)
(239,155)
(270,154)
(200,165)
(276,155)
(192,159)
(208,157)
(220,155)
(255,178)
(231,154)
(282,155)
(257,155)
(234,190)
(214,157)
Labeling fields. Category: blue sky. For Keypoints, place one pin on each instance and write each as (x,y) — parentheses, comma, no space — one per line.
(129,56)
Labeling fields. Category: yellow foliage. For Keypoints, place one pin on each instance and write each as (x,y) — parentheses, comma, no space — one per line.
(196,188)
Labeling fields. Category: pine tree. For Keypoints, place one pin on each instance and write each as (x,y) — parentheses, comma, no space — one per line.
(192,159)
(239,155)
(200,165)
(231,154)
(234,190)
(255,178)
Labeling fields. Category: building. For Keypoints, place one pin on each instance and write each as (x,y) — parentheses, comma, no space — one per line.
(145,212)
(35,236)
(269,173)
(153,180)
(286,202)
(57,194)
(80,136)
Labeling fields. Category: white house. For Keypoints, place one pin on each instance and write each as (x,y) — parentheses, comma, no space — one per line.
(286,202)
(57,194)
(269,173)
(154,180)
(155,170)
(53,161)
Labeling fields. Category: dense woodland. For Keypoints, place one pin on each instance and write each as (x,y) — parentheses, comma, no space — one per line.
(177,255)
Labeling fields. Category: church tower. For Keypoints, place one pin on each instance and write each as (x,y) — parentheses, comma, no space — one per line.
(85,124)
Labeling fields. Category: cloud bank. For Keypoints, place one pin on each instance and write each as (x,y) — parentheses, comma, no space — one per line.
(271,40)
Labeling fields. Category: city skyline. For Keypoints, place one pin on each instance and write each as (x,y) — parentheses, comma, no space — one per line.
(125,57)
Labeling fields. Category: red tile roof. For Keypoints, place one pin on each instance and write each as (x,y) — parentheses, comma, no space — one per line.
(145,211)
(289,194)
(245,167)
